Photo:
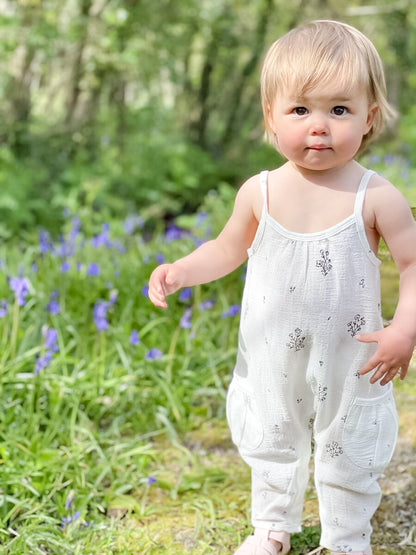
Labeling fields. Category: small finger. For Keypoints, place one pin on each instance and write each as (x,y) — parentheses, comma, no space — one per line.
(390,376)
(371,365)
(379,373)
(403,371)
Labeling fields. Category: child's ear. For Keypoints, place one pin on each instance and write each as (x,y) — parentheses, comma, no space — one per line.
(372,111)
(269,119)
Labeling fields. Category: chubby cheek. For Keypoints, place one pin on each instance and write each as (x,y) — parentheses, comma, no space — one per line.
(291,142)
(348,140)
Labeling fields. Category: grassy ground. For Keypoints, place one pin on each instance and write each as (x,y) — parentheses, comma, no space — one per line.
(113,438)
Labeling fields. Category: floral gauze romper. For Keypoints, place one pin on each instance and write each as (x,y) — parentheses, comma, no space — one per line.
(296,378)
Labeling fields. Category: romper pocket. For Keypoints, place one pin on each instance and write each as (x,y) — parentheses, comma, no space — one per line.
(370,431)
(243,417)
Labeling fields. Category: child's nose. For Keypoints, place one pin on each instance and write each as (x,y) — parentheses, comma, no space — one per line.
(319,125)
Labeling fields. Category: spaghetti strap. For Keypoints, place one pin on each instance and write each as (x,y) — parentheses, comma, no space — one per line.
(359,199)
(359,218)
(264,187)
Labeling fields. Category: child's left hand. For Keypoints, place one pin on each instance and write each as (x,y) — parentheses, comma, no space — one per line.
(392,357)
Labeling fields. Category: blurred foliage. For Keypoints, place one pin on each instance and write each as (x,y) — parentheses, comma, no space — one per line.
(113,106)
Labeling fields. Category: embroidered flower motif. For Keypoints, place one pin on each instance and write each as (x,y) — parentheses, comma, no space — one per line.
(324,264)
(322,392)
(355,325)
(362,283)
(334,449)
(297,341)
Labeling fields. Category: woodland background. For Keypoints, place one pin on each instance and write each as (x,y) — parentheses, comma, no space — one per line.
(120,105)
(126,127)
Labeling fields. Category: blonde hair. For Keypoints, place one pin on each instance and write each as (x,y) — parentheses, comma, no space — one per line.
(318,53)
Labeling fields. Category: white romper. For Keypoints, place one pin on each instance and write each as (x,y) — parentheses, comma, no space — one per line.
(305,299)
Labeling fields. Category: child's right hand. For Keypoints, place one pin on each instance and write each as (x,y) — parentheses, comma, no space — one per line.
(165,280)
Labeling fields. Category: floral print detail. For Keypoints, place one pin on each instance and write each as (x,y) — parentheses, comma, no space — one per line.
(322,392)
(292,288)
(344,548)
(325,264)
(355,325)
(334,449)
(297,341)
(362,283)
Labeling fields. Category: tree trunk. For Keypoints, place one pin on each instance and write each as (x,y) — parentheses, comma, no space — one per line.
(77,68)
(250,66)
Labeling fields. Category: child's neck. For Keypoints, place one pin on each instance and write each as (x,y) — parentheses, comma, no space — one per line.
(330,175)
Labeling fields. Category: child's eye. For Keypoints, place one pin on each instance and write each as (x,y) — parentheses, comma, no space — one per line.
(300,111)
(339,110)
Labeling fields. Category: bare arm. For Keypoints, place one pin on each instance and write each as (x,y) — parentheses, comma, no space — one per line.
(217,257)
(396,225)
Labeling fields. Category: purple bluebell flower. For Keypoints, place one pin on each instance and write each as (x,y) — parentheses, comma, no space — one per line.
(53,307)
(65,267)
(100,315)
(69,519)
(43,362)
(173,233)
(388,159)
(113,296)
(70,498)
(51,338)
(102,239)
(153,354)
(232,311)
(374,159)
(75,228)
(53,304)
(197,241)
(134,338)
(3,308)
(151,480)
(160,258)
(20,287)
(118,245)
(185,294)
(206,305)
(186,319)
(145,290)
(45,244)
(34,268)
(93,269)
(132,222)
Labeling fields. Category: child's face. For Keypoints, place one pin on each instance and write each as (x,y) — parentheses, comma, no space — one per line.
(322,129)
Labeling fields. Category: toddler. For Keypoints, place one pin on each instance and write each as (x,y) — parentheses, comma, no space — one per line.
(314,360)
